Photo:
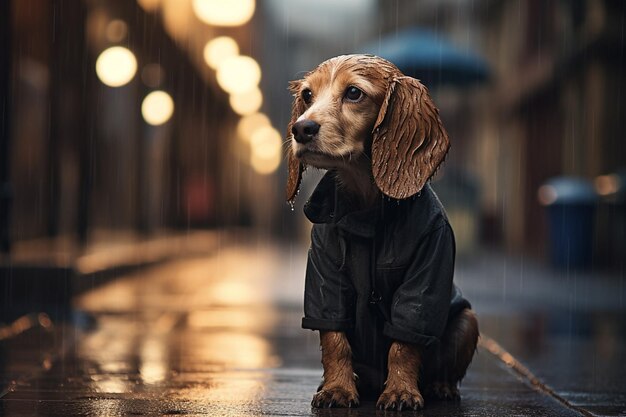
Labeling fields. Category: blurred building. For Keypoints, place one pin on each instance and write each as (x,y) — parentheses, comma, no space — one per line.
(556,107)
(553,107)
(90,149)
(84,159)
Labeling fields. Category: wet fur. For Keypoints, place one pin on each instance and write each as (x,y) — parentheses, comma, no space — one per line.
(391,142)
(401,388)
(346,128)
(338,388)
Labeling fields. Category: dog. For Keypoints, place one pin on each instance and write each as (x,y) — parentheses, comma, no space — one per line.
(379,279)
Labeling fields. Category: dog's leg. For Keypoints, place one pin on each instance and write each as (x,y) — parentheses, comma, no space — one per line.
(338,388)
(401,391)
(458,345)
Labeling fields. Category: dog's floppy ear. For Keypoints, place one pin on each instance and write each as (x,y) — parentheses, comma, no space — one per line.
(409,140)
(295,167)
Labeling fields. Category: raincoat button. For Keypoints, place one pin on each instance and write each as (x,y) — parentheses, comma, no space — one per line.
(375,298)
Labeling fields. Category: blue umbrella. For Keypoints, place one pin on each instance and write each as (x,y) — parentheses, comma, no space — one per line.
(422,54)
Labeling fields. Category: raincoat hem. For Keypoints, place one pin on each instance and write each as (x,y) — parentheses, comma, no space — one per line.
(406,336)
(324,324)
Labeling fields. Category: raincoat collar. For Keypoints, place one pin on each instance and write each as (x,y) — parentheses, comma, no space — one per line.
(329,204)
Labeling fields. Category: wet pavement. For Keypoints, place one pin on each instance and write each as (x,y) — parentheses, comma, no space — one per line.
(567,327)
(220,335)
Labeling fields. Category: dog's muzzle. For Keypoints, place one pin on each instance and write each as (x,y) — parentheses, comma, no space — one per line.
(305,130)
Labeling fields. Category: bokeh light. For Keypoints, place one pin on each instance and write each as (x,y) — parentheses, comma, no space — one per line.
(116,66)
(248,102)
(607,184)
(218,49)
(266,146)
(547,195)
(265,165)
(238,74)
(249,124)
(177,19)
(116,31)
(224,12)
(157,108)
(149,5)
(265,141)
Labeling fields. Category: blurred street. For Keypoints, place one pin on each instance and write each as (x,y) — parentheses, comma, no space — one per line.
(149,264)
(220,335)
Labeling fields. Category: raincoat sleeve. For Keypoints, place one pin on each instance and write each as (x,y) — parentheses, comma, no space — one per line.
(420,305)
(328,293)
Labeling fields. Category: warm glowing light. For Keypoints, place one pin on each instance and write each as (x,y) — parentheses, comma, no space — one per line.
(177,18)
(607,184)
(265,165)
(234,318)
(266,141)
(113,385)
(224,12)
(266,150)
(116,66)
(547,195)
(116,30)
(149,5)
(233,293)
(153,360)
(157,108)
(238,74)
(231,349)
(248,102)
(249,124)
(218,49)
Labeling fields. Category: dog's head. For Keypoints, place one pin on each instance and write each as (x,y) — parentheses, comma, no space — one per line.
(355,105)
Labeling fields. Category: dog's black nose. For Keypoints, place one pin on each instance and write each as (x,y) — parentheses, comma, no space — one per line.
(305,130)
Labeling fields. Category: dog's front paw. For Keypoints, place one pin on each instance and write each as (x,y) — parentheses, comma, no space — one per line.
(335,397)
(400,399)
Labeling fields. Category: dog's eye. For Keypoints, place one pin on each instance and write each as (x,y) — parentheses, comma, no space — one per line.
(353,94)
(307,95)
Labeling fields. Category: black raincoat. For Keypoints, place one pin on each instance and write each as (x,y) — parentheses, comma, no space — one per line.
(379,275)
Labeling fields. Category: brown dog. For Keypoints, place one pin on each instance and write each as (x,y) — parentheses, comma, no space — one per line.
(379,284)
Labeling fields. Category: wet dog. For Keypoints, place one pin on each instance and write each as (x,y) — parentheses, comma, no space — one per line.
(379,280)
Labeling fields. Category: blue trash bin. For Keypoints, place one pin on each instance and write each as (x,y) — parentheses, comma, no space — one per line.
(571,204)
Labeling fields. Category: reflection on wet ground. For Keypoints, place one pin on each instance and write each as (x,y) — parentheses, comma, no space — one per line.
(221,336)
(567,326)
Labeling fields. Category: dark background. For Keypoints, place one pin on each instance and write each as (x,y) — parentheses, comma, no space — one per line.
(82,164)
